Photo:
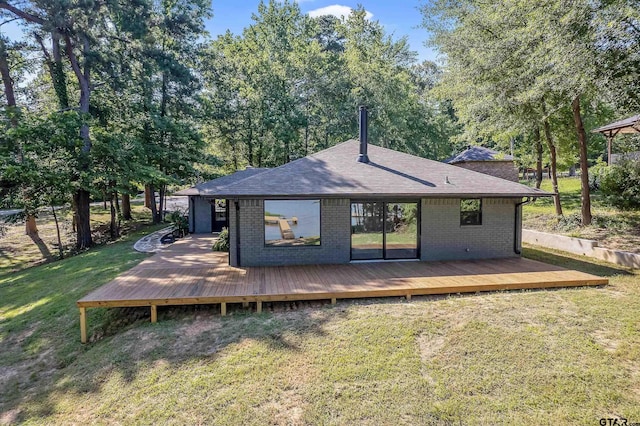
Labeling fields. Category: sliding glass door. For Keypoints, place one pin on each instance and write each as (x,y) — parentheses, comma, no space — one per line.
(367,237)
(384,230)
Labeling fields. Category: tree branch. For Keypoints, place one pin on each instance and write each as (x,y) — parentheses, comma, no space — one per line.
(38,38)
(21,13)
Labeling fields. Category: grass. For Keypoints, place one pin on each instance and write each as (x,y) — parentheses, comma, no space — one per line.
(407,235)
(567,356)
(18,251)
(613,228)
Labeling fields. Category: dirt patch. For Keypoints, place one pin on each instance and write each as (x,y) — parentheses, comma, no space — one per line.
(287,409)
(9,417)
(43,364)
(430,346)
(603,338)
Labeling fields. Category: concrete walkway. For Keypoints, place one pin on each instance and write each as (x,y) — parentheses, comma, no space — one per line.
(151,243)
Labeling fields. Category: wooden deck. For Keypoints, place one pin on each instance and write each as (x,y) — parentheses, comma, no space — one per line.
(188,273)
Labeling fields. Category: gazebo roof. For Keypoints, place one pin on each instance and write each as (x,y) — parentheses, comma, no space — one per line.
(628,125)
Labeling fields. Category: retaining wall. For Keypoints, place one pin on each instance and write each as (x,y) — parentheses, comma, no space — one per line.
(582,247)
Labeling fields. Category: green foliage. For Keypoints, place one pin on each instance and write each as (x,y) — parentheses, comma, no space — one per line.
(41,167)
(596,172)
(180,221)
(620,184)
(290,85)
(511,65)
(222,243)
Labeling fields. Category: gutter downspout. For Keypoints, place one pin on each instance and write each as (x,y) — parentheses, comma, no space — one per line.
(517,230)
(237,204)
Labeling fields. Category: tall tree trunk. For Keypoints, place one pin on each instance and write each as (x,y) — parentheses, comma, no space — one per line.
(114,225)
(126,207)
(81,199)
(82,196)
(6,75)
(30,226)
(56,68)
(584,165)
(152,204)
(538,142)
(55,219)
(554,170)
(147,196)
(161,194)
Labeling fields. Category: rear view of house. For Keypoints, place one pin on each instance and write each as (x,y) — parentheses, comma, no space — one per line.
(360,202)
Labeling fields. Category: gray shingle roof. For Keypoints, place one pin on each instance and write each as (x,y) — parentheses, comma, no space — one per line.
(478,153)
(628,125)
(212,186)
(335,172)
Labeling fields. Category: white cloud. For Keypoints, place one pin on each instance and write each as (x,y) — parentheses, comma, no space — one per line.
(337,10)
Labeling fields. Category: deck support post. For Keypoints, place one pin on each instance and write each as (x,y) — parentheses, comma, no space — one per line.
(154,313)
(223,309)
(408,297)
(334,301)
(245,304)
(258,306)
(83,325)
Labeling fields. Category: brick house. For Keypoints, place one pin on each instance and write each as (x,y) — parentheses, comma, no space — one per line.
(360,202)
(487,161)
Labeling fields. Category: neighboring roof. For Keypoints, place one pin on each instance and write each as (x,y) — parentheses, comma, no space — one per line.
(478,153)
(628,125)
(212,186)
(335,172)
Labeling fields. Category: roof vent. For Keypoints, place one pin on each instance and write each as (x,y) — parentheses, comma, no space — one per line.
(364,139)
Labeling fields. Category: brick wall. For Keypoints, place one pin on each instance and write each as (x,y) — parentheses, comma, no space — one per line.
(443,238)
(502,169)
(335,236)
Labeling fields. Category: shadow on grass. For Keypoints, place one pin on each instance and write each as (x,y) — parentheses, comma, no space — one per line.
(568,261)
(39,327)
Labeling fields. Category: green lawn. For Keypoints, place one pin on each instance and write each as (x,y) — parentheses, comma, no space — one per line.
(613,228)
(18,251)
(405,236)
(567,356)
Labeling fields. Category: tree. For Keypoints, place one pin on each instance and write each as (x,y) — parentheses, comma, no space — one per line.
(522,62)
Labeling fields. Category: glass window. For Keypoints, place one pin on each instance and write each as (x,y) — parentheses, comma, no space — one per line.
(384,230)
(471,211)
(367,238)
(292,223)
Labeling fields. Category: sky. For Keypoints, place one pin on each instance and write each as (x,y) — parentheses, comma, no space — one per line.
(399,17)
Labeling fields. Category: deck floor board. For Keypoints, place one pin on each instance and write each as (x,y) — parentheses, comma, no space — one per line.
(188,272)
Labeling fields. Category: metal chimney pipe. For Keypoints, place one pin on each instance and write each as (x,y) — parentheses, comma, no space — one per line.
(364,138)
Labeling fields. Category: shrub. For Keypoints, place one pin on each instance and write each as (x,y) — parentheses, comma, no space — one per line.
(222,243)
(595,174)
(180,221)
(620,184)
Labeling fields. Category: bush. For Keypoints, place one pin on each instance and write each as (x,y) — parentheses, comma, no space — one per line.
(595,174)
(222,243)
(620,184)
(180,221)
